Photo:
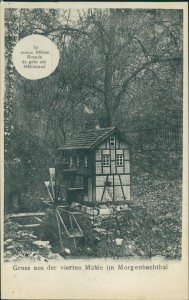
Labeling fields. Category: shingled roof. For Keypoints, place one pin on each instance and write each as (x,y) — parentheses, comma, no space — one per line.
(88,139)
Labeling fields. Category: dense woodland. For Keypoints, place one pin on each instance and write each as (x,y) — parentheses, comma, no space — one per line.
(121,68)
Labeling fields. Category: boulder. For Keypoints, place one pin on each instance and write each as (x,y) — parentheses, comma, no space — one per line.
(100,230)
(118,241)
(104,210)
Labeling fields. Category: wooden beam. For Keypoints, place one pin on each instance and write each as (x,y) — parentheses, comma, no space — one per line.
(38,219)
(29,225)
(122,187)
(22,215)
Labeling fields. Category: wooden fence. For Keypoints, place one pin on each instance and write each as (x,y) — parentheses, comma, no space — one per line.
(168,137)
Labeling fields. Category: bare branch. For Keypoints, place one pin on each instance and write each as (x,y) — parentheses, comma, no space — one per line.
(136,72)
(142,46)
(99,90)
(67,30)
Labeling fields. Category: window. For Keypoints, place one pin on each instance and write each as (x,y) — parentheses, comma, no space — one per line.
(85,185)
(66,158)
(71,161)
(85,161)
(78,161)
(112,142)
(119,160)
(106,160)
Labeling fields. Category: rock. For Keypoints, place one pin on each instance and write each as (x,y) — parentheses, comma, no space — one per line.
(92,211)
(10,247)
(100,230)
(95,212)
(168,216)
(33,236)
(141,252)
(17,160)
(118,241)
(122,207)
(8,241)
(89,249)
(158,258)
(67,250)
(103,206)
(24,234)
(97,224)
(42,244)
(131,247)
(119,208)
(126,207)
(84,208)
(104,211)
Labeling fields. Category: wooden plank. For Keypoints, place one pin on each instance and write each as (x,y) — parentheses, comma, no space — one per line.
(75,233)
(75,189)
(71,223)
(22,215)
(38,219)
(76,212)
(122,187)
(29,225)
(72,212)
(113,189)
(104,190)
(81,232)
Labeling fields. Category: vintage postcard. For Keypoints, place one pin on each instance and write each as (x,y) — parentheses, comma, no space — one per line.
(94,177)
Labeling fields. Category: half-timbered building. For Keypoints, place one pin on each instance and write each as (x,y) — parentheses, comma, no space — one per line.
(96,166)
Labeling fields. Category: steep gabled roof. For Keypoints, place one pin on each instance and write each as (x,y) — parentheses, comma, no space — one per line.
(88,139)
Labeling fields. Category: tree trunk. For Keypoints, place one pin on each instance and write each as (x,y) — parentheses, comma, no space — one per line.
(109,72)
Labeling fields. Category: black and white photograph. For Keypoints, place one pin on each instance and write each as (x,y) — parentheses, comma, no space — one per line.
(93,136)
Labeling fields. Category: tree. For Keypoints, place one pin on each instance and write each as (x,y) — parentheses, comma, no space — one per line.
(124,47)
(111,59)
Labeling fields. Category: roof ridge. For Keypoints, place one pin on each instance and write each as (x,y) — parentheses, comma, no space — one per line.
(88,138)
(98,129)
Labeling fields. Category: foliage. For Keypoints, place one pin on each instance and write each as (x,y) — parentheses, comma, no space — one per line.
(142,233)
(21,244)
(157,186)
(11,38)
